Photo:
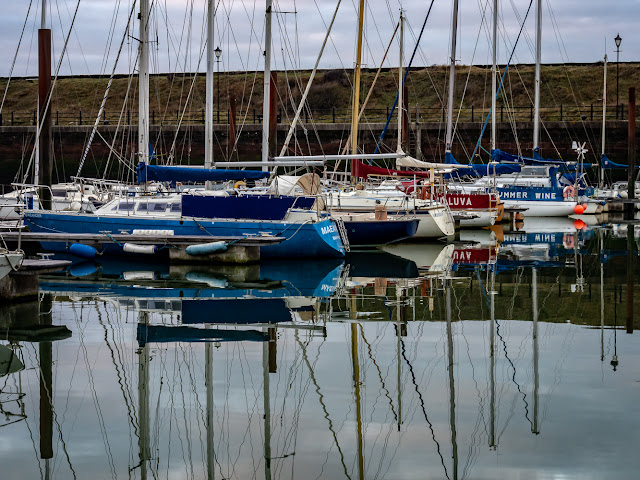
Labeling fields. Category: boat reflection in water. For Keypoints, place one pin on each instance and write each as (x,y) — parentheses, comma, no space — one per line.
(491,357)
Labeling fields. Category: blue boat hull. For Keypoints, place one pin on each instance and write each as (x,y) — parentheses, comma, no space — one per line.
(374,233)
(317,240)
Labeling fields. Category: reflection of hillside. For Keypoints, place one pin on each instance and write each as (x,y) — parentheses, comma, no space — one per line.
(556,301)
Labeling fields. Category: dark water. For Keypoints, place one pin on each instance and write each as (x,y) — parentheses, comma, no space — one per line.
(381,367)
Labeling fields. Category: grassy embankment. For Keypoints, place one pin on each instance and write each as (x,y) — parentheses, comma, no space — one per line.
(567,85)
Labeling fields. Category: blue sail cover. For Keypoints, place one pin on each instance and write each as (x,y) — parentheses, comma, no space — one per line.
(257,207)
(481,170)
(608,164)
(498,155)
(158,173)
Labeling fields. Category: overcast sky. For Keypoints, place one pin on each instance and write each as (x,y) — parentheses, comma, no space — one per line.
(573,31)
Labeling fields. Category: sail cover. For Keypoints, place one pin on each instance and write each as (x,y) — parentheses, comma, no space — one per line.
(159,173)
(360,170)
(410,162)
(483,170)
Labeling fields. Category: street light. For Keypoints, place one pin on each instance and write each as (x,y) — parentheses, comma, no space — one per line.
(618,41)
(218,53)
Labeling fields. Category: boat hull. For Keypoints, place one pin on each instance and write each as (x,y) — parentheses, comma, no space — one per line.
(303,240)
(9,262)
(533,208)
(371,233)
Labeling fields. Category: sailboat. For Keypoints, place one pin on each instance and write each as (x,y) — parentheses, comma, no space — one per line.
(204,213)
(344,200)
(42,195)
(535,187)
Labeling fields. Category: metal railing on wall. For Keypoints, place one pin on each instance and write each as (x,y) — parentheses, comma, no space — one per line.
(573,113)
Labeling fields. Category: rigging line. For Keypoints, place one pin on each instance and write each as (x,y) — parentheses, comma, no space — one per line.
(565,55)
(384,387)
(94,393)
(118,362)
(323,405)
(380,336)
(309,83)
(184,109)
(486,120)
(105,96)
(59,427)
(251,18)
(373,83)
(422,406)
(473,452)
(15,57)
(47,105)
(33,443)
(464,90)
(404,79)
(513,378)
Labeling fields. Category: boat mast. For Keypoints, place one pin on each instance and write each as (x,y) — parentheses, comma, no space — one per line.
(143,397)
(143,84)
(266,399)
(604,118)
(492,372)
(452,77)
(400,85)
(536,104)
(208,380)
(208,117)
(358,399)
(356,83)
(267,87)
(494,76)
(536,378)
(452,388)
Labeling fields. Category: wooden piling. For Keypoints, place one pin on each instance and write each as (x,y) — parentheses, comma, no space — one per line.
(232,126)
(631,152)
(630,271)
(273,114)
(45,174)
(405,119)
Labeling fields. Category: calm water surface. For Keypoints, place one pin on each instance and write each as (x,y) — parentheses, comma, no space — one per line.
(473,360)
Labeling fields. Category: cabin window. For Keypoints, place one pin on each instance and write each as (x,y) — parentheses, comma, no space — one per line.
(143,207)
(126,206)
(176,207)
(157,207)
(59,193)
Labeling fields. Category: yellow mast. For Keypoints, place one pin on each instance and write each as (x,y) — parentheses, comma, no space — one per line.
(356,83)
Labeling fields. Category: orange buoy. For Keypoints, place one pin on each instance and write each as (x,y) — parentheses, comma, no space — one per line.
(579,224)
(578,209)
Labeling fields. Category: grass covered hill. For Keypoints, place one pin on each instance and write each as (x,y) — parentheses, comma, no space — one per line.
(569,85)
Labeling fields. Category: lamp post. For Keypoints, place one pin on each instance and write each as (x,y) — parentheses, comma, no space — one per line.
(618,41)
(218,53)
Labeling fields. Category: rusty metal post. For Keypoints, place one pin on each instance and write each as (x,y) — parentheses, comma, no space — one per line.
(631,153)
(232,126)
(273,115)
(45,351)
(44,116)
(273,345)
(630,271)
(405,119)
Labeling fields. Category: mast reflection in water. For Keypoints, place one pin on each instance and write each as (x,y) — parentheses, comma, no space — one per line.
(488,358)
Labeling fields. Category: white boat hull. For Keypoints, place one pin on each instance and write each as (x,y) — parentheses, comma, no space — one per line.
(533,208)
(9,262)
(484,218)
(435,223)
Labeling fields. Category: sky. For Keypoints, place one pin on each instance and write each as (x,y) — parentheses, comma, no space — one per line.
(573,31)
